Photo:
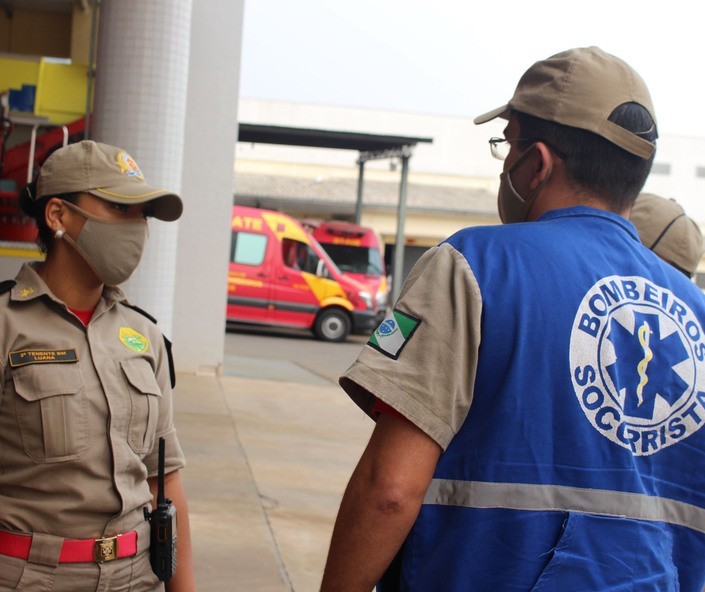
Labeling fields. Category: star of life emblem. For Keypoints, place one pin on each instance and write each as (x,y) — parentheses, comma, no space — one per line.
(637,364)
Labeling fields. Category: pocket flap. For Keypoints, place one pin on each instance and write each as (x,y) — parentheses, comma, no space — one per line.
(140,375)
(39,381)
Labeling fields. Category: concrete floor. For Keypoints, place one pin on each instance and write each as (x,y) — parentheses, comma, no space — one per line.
(268,461)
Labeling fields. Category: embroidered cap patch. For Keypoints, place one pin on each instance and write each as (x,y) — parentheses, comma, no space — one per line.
(128,166)
(394,333)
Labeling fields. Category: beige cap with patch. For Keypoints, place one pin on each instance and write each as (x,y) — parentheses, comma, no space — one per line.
(665,228)
(581,88)
(107,172)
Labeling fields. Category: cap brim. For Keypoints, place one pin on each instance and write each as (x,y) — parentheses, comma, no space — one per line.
(502,111)
(166,205)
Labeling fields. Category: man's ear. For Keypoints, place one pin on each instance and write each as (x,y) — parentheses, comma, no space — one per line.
(542,164)
(54,213)
(530,169)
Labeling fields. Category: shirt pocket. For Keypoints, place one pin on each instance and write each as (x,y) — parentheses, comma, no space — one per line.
(51,412)
(144,403)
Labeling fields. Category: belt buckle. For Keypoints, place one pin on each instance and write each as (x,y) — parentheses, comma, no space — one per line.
(105,549)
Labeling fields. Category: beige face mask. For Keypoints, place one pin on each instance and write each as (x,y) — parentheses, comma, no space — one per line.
(512,206)
(113,248)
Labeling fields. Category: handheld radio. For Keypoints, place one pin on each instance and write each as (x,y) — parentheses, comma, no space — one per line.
(162,547)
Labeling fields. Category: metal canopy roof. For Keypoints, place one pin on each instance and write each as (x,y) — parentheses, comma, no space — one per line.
(318,138)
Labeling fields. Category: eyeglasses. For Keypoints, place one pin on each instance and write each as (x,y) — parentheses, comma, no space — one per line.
(499,147)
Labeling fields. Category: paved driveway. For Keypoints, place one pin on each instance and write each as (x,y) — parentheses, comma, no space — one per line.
(270,445)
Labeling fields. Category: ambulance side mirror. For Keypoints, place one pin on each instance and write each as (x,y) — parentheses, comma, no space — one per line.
(322,269)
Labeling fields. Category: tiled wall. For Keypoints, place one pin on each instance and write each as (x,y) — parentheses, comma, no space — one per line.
(140,105)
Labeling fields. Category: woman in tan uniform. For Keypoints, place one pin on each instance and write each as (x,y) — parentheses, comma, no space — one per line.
(86,389)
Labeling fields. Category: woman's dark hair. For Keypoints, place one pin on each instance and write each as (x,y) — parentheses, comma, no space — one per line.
(594,163)
(34,208)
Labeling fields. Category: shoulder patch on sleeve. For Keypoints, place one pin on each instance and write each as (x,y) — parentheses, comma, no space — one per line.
(7,285)
(393,333)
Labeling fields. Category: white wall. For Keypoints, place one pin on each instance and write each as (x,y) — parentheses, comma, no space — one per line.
(207,182)
(459,147)
(684,155)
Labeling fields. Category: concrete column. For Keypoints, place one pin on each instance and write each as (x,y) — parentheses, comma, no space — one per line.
(207,185)
(140,105)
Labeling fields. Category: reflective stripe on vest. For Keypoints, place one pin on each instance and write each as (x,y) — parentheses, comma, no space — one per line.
(550,498)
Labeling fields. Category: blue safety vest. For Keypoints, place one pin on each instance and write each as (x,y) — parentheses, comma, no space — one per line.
(581,464)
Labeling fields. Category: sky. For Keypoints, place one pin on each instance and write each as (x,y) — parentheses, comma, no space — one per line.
(464,57)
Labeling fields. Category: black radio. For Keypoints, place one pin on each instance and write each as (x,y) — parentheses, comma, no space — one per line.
(162,546)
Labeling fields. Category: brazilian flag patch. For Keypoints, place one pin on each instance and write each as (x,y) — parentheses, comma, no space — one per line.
(393,333)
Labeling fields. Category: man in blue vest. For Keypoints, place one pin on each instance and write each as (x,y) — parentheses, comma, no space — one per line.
(539,387)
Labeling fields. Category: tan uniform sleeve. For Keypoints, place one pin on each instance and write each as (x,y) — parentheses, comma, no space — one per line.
(174,457)
(431,381)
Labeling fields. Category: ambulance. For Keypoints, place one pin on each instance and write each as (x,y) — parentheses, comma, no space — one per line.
(357,252)
(279,275)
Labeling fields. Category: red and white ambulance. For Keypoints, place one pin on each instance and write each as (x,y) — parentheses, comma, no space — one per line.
(357,252)
(279,275)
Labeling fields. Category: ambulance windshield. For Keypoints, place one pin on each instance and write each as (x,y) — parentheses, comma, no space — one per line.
(351,259)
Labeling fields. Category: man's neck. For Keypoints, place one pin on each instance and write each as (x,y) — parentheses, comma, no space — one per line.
(562,194)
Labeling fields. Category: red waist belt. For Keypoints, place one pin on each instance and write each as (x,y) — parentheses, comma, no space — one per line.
(75,550)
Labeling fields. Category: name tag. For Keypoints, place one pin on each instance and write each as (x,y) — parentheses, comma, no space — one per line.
(36,356)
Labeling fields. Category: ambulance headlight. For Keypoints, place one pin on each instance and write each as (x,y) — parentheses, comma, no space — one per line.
(366,297)
(382,296)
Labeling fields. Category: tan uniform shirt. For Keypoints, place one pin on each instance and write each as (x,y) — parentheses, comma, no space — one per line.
(428,376)
(81,410)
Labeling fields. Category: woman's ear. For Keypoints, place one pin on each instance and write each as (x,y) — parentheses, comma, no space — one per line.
(54,213)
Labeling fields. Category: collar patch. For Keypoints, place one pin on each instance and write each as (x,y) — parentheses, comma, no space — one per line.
(26,292)
(133,340)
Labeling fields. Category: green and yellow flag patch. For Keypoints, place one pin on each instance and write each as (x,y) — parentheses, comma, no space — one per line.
(393,333)
(133,340)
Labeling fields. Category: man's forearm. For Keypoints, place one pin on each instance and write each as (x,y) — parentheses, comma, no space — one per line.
(368,533)
(379,506)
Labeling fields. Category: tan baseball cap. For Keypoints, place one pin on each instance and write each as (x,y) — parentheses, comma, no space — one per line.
(107,172)
(581,88)
(665,228)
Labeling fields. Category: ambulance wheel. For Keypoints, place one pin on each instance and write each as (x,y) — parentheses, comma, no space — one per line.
(332,324)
